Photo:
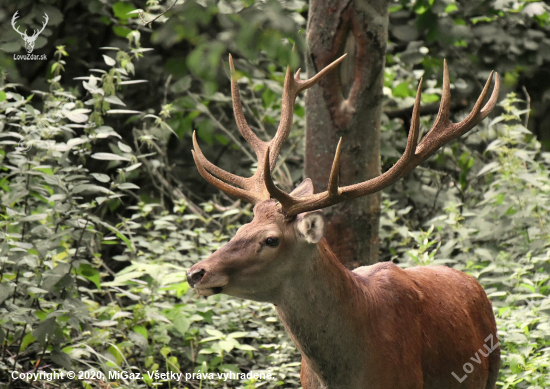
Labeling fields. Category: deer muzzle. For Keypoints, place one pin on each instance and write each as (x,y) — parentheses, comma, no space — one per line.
(205,282)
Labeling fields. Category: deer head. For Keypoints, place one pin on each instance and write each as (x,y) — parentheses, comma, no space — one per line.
(264,256)
(29,40)
(286,229)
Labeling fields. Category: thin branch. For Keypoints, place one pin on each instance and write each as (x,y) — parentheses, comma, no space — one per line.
(18,351)
(166,85)
(27,187)
(156,17)
(166,187)
(41,358)
(528,101)
(5,345)
(467,64)
(428,109)
(223,128)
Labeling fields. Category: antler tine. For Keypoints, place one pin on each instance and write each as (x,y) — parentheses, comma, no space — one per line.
(445,104)
(36,32)
(401,167)
(242,194)
(412,139)
(215,170)
(305,84)
(291,205)
(293,86)
(494,96)
(478,114)
(335,171)
(443,130)
(281,196)
(256,143)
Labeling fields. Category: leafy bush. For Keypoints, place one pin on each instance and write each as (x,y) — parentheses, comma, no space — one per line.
(63,307)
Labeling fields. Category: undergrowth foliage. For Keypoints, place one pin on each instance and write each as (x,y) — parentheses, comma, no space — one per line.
(92,271)
(62,307)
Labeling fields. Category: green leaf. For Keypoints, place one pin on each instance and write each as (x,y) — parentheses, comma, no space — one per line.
(226,368)
(216,333)
(108,60)
(402,90)
(90,188)
(121,31)
(121,10)
(182,323)
(128,185)
(61,359)
(180,288)
(90,273)
(45,330)
(35,290)
(101,177)
(119,234)
(450,8)
(268,97)
(238,334)
(27,339)
(246,347)
(226,345)
(115,352)
(142,331)
(124,148)
(77,115)
(35,217)
(4,292)
(109,157)
(115,100)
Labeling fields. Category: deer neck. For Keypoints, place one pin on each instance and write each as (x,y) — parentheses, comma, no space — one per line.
(319,309)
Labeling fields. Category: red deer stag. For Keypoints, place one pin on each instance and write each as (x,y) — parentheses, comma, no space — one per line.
(378,326)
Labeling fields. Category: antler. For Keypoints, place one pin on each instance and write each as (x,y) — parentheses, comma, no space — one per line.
(253,189)
(24,34)
(442,131)
(13,19)
(36,32)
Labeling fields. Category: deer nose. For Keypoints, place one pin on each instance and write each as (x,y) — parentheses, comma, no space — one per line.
(195,276)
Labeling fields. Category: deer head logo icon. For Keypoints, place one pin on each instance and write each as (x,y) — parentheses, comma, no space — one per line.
(29,40)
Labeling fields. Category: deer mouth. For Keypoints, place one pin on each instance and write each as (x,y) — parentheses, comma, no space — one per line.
(208,291)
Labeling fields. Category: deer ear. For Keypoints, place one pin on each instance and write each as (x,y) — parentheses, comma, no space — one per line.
(304,189)
(311,226)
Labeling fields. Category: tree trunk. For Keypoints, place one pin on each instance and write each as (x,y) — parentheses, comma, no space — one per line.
(347,103)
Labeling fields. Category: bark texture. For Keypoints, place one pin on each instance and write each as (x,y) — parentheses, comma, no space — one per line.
(347,103)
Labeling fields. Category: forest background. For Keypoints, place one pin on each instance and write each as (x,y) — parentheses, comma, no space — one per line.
(102,209)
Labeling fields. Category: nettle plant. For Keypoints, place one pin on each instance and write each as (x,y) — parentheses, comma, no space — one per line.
(496,227)
(51,225)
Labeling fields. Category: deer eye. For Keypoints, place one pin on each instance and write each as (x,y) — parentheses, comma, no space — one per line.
(272,242)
